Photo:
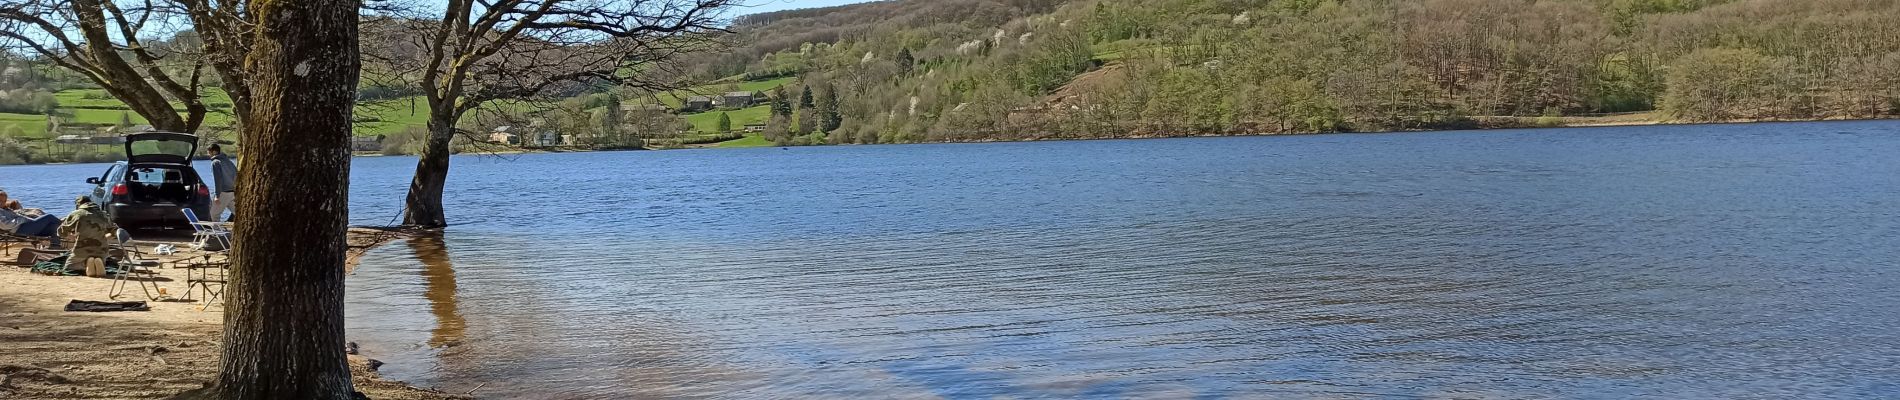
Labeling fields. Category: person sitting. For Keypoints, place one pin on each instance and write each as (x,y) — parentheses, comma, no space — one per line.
(29,222)
(88,226)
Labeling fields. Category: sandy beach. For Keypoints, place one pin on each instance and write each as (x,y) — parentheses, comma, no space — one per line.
(47,352)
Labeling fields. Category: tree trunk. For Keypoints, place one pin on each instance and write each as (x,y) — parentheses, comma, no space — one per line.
(424,205)
(283,322)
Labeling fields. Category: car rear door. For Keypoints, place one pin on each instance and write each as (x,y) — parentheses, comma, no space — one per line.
(160,147)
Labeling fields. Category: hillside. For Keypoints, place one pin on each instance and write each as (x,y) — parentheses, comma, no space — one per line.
(904,71)
(915,70)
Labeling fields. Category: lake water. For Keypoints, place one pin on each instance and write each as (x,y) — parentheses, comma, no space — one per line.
(1717,261)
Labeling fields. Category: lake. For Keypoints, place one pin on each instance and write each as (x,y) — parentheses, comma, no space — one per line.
(1696,261)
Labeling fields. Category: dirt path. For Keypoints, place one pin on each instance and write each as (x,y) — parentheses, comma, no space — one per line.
(46,352)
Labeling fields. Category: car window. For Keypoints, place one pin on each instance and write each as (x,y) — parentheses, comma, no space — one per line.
(113,173)
(154,176)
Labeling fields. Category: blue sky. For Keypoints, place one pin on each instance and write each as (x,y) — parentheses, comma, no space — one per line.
(759,6)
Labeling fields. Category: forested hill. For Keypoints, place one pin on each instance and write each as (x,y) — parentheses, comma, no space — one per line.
(953,70)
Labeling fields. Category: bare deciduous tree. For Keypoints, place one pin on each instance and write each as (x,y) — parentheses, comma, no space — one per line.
(476,52)
(104,41)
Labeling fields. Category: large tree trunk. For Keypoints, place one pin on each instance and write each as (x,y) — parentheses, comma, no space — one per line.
(424,205)
(283,322)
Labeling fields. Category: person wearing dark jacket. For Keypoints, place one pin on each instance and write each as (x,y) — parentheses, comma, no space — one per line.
(224,179)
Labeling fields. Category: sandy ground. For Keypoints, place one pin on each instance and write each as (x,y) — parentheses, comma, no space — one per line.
(49,353)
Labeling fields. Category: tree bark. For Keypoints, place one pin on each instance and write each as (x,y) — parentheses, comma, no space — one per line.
(283,335)
(424,204)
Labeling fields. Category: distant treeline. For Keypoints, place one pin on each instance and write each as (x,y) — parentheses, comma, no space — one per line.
(905,72)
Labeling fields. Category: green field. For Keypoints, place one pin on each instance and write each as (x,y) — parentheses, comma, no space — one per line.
(30,125)
(94,107)
(390,116)
(748,141)
(709,121)
(675,98)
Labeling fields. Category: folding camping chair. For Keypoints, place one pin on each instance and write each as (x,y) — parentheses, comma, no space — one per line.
(135,266)
(8,240)
(207,234)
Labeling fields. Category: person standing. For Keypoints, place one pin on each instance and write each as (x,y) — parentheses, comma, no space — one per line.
(224,179)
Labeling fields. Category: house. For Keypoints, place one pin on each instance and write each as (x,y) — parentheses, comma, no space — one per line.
(736,100)
(503,136)
(364,143)
(70,139)
(698,103)
(754,128)
(543,139)
(106,139)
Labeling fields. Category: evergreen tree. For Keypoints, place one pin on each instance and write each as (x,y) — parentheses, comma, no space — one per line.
(905,61)
(781,105)
(725,123)
(609,121)
(804,98)
(828,118)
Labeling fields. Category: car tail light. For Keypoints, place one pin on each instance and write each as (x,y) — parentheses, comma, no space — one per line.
(203,192)
(120,190)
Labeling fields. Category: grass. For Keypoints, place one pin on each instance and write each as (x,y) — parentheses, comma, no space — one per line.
(674,98)
(392,116)
(95,116)
(95,107)
(31,125)
(709,121)
(98,99)
(747,141)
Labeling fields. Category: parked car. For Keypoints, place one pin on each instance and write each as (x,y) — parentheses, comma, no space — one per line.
(154,184)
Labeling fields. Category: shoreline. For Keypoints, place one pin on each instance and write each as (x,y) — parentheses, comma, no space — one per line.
(1479,128)
(1495,123)
(52,353)
(1482,123)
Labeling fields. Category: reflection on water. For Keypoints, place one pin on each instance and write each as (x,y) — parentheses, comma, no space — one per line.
(438,277)
(1733,261)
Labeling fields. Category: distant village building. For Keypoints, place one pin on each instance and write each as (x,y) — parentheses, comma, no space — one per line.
(116,135)
(503,136)
(543,139)
(365,143)
(754,128)
(736,100)
(698,103)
